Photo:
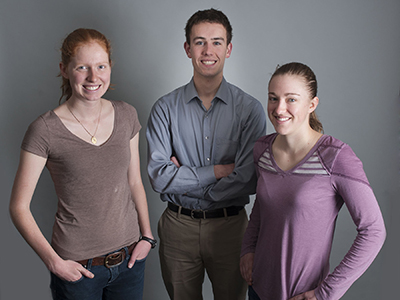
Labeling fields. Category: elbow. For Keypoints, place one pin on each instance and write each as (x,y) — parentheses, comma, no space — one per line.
(15,211)
(158,189)
(376,234)
(154,185)
(158,185)
(383,235)
(19,209)
(381,232)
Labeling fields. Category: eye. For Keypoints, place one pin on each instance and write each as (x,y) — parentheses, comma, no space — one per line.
(217,43)
(199,43)
(102,67)
(291,100)
(272,99)
(82,68)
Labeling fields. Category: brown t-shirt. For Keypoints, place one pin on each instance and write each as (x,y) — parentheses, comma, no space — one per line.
(96,213)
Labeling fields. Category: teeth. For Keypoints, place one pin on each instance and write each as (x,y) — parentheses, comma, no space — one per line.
(282,119)
(208,62)
(92,88)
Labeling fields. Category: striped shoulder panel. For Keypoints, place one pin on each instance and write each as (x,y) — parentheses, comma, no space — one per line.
(265,162)
(311,166)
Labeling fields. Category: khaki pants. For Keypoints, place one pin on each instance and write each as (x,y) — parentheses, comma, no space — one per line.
(190,246)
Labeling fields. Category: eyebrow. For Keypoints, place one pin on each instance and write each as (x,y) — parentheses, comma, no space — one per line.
(213,39)
(287,94)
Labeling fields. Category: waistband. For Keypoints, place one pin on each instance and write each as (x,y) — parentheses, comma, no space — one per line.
(206,214)
(111,260)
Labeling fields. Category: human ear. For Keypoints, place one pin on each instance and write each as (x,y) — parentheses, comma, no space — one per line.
(186,46)
(63,70)
(313,104)
(229,50)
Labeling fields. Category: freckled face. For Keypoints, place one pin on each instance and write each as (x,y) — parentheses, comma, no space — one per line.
(89,72)
(208,49)
(289,104)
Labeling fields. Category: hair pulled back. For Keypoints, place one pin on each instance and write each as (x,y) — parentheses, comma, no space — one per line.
(302,70)
(71,43)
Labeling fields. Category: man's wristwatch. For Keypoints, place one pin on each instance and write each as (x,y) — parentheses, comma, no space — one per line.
(152,242)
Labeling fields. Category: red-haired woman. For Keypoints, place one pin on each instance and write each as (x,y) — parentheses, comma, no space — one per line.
(101,235)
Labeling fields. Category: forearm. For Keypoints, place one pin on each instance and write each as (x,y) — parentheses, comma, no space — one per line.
(137,189)
(365,212)
(67,270)
(28,228)
(139,198)
(241,182)
(167,178)
(357,260)
(29,170)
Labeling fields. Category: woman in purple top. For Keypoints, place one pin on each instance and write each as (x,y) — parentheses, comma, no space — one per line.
(304,178)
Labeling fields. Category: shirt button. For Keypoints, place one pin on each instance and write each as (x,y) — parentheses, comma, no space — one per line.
(208,159)
(206,137)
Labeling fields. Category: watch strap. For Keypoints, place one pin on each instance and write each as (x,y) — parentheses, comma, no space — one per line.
(152,242)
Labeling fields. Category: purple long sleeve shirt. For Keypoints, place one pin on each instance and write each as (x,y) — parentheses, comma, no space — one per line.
(293,220)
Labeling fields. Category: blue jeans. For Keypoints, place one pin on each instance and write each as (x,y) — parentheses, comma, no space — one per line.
(116,283)
(252,294)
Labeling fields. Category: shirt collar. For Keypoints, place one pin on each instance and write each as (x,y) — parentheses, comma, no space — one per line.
(222,93)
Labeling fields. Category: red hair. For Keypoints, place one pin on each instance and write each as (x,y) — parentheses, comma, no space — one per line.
(71,43)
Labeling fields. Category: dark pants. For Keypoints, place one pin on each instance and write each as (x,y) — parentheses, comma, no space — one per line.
(189,247)
(252,294)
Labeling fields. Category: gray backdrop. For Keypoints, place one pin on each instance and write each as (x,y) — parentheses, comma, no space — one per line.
(352,45)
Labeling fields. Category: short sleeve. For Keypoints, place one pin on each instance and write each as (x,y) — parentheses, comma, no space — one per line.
(136,123)
(130,117)
(36,139)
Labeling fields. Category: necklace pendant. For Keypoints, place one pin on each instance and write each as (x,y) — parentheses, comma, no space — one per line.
(94,140)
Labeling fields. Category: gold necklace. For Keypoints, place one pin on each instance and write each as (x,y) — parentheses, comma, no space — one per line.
(93,138)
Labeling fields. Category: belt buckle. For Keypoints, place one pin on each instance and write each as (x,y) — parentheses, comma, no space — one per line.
(114,259)
(200,210)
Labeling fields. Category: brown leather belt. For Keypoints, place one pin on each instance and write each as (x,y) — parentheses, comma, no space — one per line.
(206,214)
(111,260)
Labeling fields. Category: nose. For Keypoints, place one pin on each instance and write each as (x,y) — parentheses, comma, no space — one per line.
(92,75)
(280,106)
(206,49)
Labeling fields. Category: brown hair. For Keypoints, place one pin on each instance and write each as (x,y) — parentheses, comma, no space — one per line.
(211,16)
(310,79)
(71,43)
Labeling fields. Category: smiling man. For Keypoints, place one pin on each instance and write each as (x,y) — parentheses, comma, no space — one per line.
(201,139)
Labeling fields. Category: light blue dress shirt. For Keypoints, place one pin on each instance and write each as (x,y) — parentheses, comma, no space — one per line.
(179,125)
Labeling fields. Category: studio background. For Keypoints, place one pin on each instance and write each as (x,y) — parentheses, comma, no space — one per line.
(352,45)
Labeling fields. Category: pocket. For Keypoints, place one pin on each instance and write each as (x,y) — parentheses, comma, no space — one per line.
(56,278)
(141,260)
(76,281)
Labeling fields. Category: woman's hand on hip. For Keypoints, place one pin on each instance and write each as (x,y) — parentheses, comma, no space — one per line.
(246,267)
